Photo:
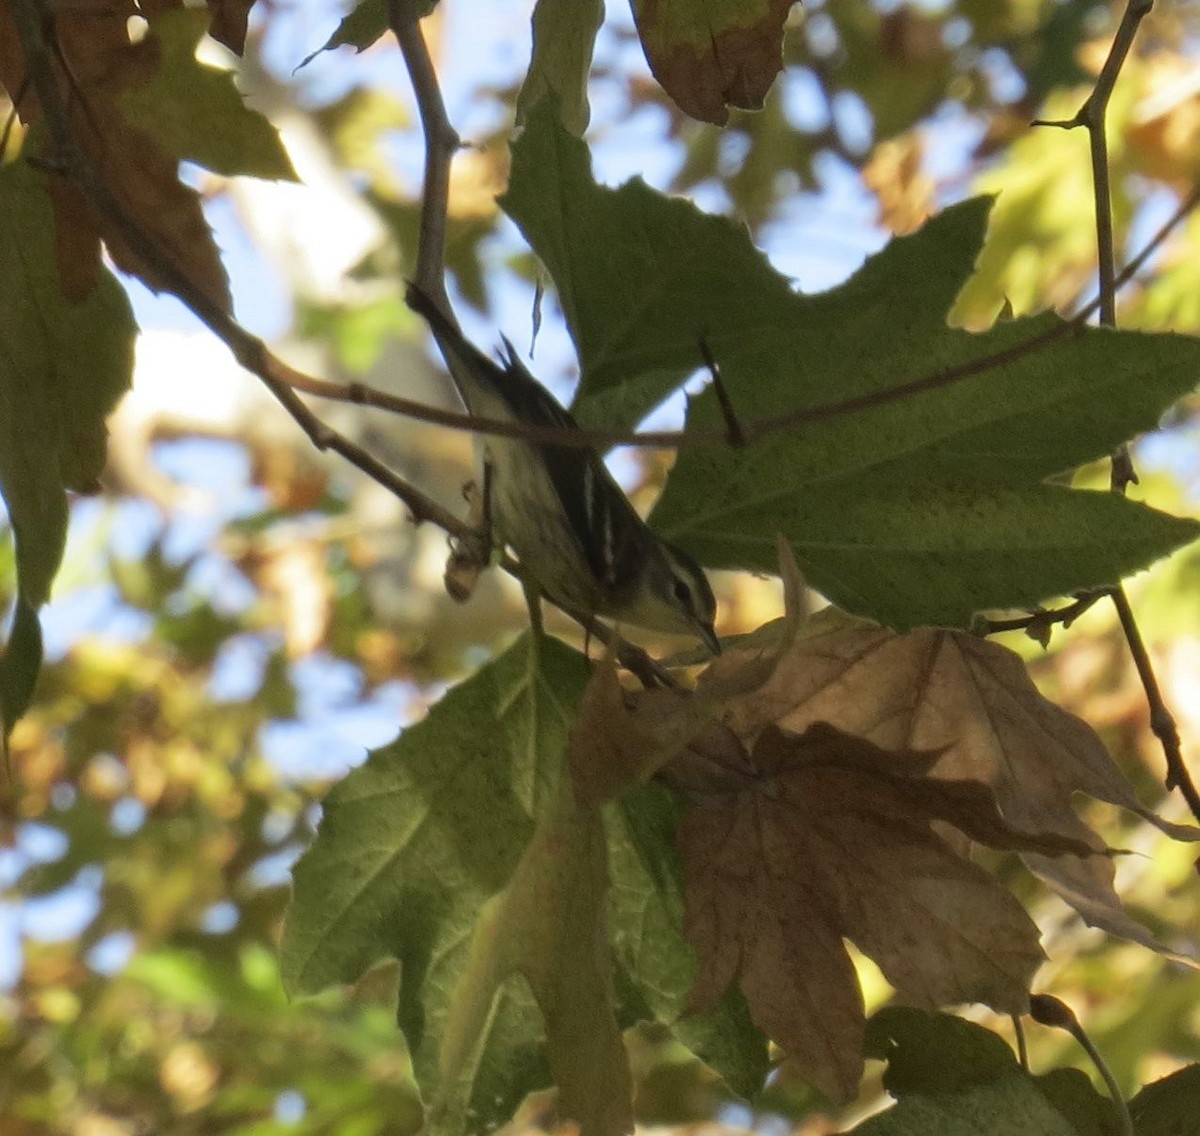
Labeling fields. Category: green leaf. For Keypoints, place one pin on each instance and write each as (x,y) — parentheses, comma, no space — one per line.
(909,554)
(1010,1106)
(934,1053)
(921,508)
(1168,1107)
(1074,1095)
(952,1076)
(63,367)
(637,322)
(367,23)
(196,111)
(564,34)
(549,926)
(655,959)
(20,665)
(413,845)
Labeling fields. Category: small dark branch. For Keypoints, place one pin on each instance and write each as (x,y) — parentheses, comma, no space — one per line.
(1092,115)
(441,144)
(1155,242)
(1161,720)
(1061,123)
(1038,624)
(735,435)
(1022,1044)
(1135,12)
(1106,255)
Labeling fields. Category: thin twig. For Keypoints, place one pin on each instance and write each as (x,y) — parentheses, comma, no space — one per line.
(1022,1044)
(1092,115)
(1185,206)
(1162,722)
(441,144)
(635,659)
(1039,622)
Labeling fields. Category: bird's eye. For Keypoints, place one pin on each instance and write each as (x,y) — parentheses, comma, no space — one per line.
(681,592)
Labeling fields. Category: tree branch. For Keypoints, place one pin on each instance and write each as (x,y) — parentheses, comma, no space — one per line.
(1162,722)
(441,144)
(1092,115)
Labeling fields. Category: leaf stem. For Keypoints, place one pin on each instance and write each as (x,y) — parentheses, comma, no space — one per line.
(1051,1011)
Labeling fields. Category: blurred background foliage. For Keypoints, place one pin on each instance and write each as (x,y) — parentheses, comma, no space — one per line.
(238,619)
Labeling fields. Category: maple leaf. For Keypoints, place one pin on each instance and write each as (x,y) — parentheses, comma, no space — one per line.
(229,20)
(618,742)
(548,925)
(971,701)
(101,65)
(831,838)
(710,57)
(928,502)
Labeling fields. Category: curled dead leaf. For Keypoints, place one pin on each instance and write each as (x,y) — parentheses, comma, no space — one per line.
(833,839)
(972,702)
(618,741)
(711,57)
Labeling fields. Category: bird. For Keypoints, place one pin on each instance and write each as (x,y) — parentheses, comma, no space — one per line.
(578,538)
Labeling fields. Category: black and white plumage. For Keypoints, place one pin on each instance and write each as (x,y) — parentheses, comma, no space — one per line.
(558,507)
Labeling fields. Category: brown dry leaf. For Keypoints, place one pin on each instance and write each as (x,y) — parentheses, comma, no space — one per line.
(832,838)
(710,55)
(907,195)
(619,741)
(229,20)
(101,65)
(973,702)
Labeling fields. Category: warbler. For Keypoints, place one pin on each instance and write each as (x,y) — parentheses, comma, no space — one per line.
(573,529)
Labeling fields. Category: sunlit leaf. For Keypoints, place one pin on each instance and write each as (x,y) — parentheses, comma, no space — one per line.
(564,32)
(196,111)
(63,367)
(416,841)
